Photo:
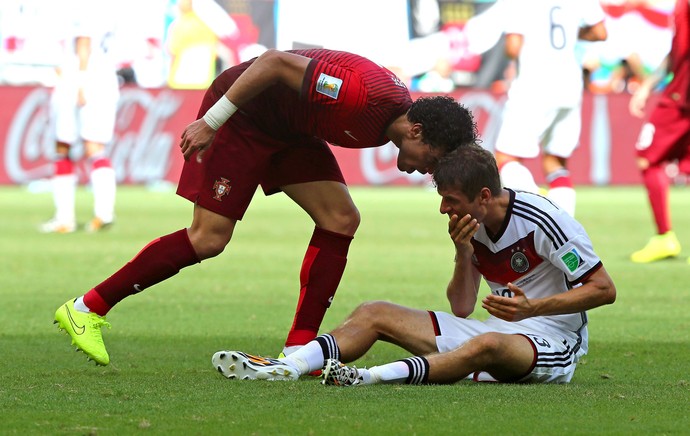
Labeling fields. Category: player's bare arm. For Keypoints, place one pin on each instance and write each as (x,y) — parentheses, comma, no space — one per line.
(273,66)
(597,290)
(464,284)
(596,32)
(513,45)
(83,49)
(638,101)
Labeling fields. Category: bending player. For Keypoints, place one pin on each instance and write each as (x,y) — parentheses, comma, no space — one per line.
(267,122)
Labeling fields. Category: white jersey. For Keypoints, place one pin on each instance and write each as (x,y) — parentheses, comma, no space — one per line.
(545,252)
(548,66)
(94,19)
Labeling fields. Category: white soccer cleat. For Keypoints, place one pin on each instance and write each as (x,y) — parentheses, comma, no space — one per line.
(55,226)
(243,366)
(338,374)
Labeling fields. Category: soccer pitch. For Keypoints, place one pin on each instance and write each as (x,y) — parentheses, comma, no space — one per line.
(160,381)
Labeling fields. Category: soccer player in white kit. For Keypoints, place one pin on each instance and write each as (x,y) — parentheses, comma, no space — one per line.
(84,107)
(544,101)
(543,274)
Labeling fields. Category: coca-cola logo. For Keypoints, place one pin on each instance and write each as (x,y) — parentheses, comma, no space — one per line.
(141,150)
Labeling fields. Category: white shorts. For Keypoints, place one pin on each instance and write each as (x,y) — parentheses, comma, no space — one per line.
(555,357)
(95,121)
(527,127)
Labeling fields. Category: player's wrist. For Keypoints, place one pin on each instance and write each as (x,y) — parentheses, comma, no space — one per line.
(219,113)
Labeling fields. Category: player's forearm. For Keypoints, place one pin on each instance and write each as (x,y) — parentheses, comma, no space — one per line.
(462,288)
(597,290)
(271,67)
(650,82)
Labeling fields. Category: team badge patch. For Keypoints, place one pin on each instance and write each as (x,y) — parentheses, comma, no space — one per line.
(221,188)
(329,85)
(519,262)
(572,260)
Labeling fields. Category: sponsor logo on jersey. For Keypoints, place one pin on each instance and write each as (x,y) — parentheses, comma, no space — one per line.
(572,260)
(221,188)
(328,85)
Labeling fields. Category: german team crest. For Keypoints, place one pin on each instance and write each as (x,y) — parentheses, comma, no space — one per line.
(221,188)
(519,262)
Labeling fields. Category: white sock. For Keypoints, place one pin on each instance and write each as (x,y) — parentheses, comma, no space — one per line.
(306,359)
(80,306)
(104,187)
(64,192)
(564,197)
(394,372)
(516,176)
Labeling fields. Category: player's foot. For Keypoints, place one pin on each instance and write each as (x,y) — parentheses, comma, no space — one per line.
(243,366)
(338,374)
(316,373)
(97,225)
(55,226)
(659,247)
(85,330)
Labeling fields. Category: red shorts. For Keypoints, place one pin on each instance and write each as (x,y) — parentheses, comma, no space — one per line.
(242,157)
(666,137)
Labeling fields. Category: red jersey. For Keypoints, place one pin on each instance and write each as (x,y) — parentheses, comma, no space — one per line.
(346,100)
(678,91)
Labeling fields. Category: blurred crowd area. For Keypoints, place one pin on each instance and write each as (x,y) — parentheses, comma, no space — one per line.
(434,45)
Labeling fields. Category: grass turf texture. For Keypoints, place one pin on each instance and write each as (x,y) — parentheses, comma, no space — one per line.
(160,380)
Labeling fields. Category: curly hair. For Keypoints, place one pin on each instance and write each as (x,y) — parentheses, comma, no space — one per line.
(446,124)
(468,169)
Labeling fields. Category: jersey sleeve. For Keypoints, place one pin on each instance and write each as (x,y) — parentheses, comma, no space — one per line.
(334,87)
(572,252)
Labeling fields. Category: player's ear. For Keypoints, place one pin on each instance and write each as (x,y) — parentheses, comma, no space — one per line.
(416,131)
(485,195)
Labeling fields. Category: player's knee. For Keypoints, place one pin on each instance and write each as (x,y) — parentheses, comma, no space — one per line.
(208,245)
(486,346)
(344,221)
(642,163)
(369,313)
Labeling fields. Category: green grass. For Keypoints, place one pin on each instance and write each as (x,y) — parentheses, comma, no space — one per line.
(634,380)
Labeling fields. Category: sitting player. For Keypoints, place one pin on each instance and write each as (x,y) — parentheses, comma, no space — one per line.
(543,273)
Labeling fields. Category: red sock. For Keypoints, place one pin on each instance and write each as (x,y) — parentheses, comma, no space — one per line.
(322,268)
(559,179)
(656,182)
(100,162)
(161,259)
(63,166)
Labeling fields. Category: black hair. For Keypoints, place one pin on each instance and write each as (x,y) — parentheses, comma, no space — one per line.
(446,124)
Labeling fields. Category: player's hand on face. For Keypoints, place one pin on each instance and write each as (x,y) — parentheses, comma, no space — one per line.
(461,231)
(512,308)
(196,137)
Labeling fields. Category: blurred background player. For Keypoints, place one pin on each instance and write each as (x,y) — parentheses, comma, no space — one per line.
(666,136)
(84,107)
(269,122)
(543,106)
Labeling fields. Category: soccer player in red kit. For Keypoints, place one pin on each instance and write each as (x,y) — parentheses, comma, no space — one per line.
(666,136)
(268,122)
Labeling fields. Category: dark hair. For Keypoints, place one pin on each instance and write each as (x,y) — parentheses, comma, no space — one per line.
(446,124)
(468,169)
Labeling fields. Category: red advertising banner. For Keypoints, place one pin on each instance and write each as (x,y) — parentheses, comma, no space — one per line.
(150,121)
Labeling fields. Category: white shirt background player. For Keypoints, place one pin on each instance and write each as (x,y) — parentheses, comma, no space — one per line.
(543,106)
(83,108)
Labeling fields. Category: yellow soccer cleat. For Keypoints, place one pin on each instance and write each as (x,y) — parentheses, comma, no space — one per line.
(659,247)
(85,330)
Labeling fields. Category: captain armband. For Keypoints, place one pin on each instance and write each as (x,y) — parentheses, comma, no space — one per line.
(219,113)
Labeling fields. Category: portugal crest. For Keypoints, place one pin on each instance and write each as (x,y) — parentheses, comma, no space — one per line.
(221,188)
